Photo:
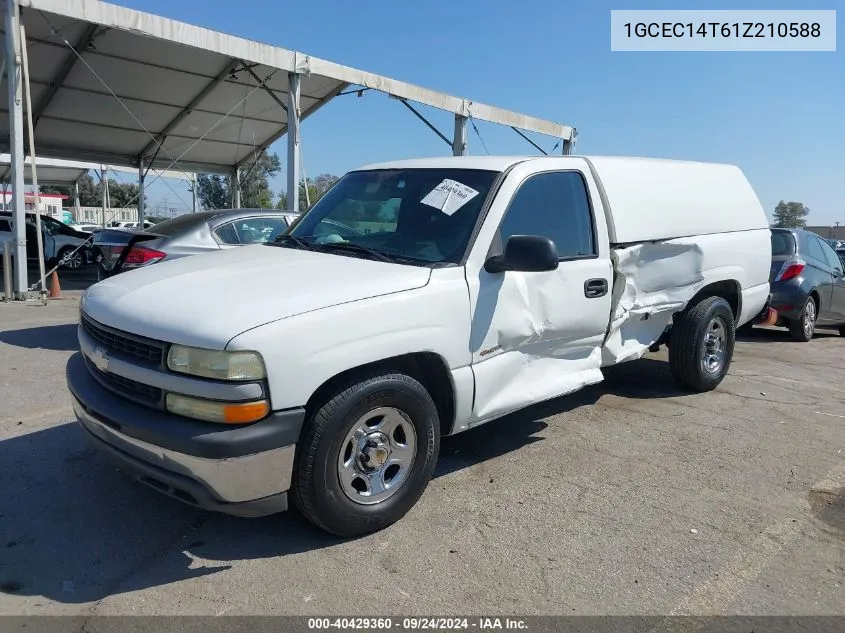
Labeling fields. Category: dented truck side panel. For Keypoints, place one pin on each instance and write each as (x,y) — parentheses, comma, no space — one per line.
(536,335)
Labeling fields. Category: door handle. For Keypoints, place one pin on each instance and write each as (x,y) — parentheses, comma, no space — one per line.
(595,288)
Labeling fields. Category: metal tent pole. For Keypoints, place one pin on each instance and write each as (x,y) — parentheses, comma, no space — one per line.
(76,210)
(141,202)
(293,142)
(13,73)
(193,193)
(105,183)
(236,188)
(36,194)
(459,142)
(569,145)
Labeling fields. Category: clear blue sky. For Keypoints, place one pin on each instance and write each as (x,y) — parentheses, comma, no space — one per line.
(780,116)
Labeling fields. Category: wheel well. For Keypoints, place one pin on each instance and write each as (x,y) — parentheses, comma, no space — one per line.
(729,290)
(426,367)
(816,299)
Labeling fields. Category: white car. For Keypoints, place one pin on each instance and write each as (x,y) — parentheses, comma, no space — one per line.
(328,364)
(69,247)
(86,228)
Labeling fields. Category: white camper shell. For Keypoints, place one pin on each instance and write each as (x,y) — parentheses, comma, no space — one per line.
(416,299)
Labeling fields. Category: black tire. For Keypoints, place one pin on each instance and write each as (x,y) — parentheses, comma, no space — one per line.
(842,330)
(691,339)
(803,328)
(317,489)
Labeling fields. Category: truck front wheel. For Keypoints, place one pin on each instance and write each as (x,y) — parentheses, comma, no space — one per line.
(702,344)
(367,454)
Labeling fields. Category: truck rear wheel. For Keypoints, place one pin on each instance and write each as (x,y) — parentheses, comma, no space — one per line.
(702,344)
(367,454)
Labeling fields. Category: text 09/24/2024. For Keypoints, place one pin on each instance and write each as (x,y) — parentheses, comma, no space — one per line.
(417,623)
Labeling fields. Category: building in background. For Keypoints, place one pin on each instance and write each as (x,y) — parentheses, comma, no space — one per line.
(48,204)
(53,204)
(94,215)
(833,232)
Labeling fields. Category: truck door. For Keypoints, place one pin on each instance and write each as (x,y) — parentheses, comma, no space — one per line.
(538,335)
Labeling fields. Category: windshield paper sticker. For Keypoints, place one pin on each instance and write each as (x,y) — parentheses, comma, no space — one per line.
(449,196)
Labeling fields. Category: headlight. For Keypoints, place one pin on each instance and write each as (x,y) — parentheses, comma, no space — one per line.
(207,363)
(211,411)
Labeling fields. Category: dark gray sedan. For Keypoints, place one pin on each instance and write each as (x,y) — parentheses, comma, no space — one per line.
(807,283)
(118,250)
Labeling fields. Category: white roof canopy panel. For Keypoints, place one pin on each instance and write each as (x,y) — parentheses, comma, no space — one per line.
(49,171)
(59,172)
(213,98)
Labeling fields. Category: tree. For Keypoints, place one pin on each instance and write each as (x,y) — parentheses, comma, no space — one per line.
(790,215)
(215,191)
(91,195)
(88,196)
(316,188)
(121,194)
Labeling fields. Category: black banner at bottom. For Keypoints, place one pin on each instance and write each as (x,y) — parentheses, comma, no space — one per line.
(568,624)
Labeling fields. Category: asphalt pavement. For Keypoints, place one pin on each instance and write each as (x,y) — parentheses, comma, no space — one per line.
(629,497)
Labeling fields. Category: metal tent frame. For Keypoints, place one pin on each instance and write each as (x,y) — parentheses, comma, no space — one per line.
(115,86)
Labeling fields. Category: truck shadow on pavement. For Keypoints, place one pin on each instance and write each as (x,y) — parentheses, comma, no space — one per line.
(74,531)
(60,338)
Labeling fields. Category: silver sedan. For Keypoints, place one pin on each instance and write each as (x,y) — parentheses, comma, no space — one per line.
(118,250)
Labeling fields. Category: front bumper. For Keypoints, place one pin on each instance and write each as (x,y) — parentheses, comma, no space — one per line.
(244,471)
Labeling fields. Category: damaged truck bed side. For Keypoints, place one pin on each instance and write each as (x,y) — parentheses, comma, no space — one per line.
(416,299)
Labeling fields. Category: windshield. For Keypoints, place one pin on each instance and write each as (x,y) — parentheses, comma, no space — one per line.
(420,215)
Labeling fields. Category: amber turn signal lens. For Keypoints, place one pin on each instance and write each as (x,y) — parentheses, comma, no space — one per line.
(215,411)
(245,413)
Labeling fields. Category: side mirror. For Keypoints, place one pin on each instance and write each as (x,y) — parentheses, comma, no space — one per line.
(525,253)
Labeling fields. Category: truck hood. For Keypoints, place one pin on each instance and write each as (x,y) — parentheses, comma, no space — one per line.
(206,300)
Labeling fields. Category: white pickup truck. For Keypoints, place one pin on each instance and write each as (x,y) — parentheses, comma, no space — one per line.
(415,300)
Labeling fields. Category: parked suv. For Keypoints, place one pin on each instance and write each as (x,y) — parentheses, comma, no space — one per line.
(808,286)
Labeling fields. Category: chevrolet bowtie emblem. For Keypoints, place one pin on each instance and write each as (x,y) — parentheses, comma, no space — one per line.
(100,360)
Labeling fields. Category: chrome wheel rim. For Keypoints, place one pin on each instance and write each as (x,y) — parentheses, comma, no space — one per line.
(715,344)
(72,260)
(809,322)
(377,455)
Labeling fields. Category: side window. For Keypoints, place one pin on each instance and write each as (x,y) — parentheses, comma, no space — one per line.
(815,250)
(830,256)
(251,230)
(5,226)
(226,233)
(553,205)
(260,230)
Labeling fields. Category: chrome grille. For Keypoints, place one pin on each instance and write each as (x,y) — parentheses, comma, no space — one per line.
(122,343)
(130,389)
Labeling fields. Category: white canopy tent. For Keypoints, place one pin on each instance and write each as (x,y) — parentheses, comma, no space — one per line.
(115,86)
